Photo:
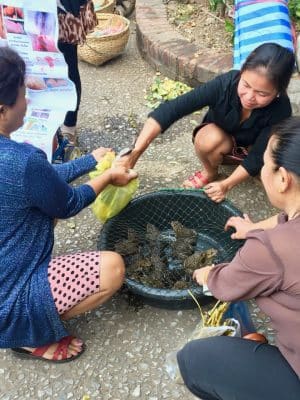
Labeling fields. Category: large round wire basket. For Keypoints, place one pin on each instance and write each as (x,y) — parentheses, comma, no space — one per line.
(147,225)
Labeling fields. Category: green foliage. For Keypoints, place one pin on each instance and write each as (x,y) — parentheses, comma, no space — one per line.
(213,4)
(183,13)
(164,89)
(229,27)
(294,8)
(222,5)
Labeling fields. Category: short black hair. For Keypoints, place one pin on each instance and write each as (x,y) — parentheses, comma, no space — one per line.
(278,62)
(12,75)
(286,148)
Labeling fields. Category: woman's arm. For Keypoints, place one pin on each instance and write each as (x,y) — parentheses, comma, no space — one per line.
(149,132)
(217,190)
(238,175)
(253,272)
(72,170)
(49,193)
(170,111)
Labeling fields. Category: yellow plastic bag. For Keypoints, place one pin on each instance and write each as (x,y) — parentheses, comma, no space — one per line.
(112,199)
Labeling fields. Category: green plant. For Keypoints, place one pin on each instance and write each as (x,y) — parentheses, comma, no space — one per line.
(164,89)
(182,14)
(213,4)
(222,7)
(229,27)
(294,9)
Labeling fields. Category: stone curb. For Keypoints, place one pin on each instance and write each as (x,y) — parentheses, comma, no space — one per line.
(169,52)
(174,56)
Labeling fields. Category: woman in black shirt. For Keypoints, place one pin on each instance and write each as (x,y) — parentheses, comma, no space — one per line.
(243,105)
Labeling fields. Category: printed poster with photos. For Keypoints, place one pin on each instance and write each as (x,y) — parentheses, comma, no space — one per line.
(31,29)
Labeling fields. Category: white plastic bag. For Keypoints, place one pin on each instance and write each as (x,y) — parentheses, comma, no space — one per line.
(232,328)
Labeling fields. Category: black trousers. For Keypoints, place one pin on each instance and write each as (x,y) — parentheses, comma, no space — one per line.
(226,368)
(70,54)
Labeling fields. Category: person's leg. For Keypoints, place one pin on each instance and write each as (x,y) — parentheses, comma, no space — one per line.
(112,275)
(225,368)
(81,282)
(70,54)
(211,144)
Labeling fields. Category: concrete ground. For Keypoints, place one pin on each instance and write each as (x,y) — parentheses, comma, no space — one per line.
(126,347)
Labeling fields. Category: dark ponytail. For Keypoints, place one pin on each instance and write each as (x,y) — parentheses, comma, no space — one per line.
(285,150)
(277,61)
(12,75)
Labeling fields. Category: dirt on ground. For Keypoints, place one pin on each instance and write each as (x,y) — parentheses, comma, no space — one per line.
(195,20)
(208,23)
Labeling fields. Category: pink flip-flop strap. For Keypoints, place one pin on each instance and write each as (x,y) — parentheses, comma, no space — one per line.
(201,177)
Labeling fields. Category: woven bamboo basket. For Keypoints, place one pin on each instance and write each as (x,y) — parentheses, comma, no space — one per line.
(108,6)
(99,49)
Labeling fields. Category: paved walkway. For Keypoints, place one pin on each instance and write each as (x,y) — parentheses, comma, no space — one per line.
(126,348)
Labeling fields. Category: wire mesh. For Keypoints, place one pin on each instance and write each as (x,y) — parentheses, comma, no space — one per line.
(155,270)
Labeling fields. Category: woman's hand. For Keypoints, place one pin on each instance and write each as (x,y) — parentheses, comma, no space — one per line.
(120,176)
(200,275)
(216,191)
(241,225)
(100,153)
(128,160)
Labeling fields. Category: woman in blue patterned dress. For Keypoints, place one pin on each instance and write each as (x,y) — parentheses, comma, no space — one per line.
(37,292)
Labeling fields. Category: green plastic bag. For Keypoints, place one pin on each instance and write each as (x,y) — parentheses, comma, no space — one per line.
(112,199)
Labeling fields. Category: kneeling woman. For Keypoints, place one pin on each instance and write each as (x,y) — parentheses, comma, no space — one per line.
(243,105)
(267,269)
(37,292)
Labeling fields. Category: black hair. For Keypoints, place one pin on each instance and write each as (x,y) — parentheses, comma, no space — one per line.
(12,75)
(286,147)
(277,61)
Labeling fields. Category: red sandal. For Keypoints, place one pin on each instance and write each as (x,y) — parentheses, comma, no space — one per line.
(61,350)
(195,185)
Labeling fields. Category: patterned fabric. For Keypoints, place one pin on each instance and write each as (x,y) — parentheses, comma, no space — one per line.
(73,30)
(73,6)
(258,22)
(73,278)
(32,194)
